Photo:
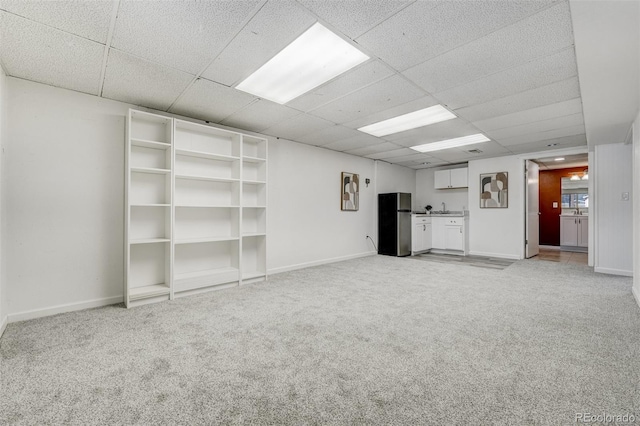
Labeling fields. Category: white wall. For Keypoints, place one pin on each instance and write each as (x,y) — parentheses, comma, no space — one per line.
(497,232)
(454,199)
(394,178)
(613,215)
(3,282)
(305,224)
(65,193)
(636,208)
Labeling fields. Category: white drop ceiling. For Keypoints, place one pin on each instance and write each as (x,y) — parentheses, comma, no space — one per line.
(505,68)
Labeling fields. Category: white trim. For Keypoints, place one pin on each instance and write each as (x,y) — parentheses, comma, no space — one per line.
(59,309)
(633,291)
(320,262)
(497,255)
(3,325)
(611,271)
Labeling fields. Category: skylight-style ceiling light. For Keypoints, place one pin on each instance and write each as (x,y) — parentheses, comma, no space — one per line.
(412,120)
(451,143)
(315,57)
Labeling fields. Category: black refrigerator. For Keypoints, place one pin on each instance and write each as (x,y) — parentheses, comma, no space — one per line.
(394,224)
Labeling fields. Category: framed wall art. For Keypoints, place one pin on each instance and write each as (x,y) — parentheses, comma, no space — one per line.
(494,190)
(350,192)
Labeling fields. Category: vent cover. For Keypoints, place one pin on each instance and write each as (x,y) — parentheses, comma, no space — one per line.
(474,151)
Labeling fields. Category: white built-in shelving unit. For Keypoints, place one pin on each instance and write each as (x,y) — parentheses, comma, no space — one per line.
(196,208)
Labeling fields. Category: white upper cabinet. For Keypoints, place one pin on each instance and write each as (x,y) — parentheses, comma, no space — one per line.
(453,178)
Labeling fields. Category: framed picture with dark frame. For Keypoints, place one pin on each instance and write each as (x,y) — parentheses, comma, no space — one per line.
(350,192)
(494,190)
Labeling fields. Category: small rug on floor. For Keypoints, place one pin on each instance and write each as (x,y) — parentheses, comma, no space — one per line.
(477,261)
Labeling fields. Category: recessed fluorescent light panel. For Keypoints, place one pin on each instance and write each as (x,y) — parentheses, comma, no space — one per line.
(412,120)
(451,143)
(559,159)
(315,57)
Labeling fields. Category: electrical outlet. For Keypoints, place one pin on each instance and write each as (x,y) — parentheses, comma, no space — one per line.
(625,196)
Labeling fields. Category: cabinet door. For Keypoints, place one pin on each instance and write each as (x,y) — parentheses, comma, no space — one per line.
(453,237)
(416,238)
(583,232)
(459,178)
(427,237)
(437,227)
(568,231)
(442,179)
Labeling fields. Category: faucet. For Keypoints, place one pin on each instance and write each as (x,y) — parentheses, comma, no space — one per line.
(444,209)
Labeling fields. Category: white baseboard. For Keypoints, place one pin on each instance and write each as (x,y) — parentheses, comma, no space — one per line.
(496,255)
(3,325)
(611,271)
(59,309)
(635,294)
(320,262)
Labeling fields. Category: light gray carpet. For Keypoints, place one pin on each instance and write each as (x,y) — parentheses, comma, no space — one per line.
(377,340)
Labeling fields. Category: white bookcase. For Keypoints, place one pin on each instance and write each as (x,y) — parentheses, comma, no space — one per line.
(254,208)
(148,230)
(196,214)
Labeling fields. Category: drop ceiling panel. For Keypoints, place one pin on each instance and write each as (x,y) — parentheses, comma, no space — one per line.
(211,101)
(259,115)
(542,136)
(353,80)
(572,106)
(182,35)
(351,17)
(536,127)
(545,95)
(40,53)
(367,150)
(415,158)
(543,145)
(353,143)
(380,96)
(299,125)
(259,41)
(329,135)
(418,165)
(436,132)
(539,35)
(453,155)
(489,149)
(422,31)
(541,72)
(415,105)
(88,19)
(402,152)
(135,81)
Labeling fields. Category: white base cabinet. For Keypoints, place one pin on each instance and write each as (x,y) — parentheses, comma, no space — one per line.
(421,235)
(196,200)
(450,234)
(574,231)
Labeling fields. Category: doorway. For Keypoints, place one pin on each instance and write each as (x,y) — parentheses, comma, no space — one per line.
(558,209)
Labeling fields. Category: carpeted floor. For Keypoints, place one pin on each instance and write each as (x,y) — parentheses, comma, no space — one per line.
(377,340)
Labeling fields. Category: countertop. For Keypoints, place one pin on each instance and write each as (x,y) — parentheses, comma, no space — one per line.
(451,213)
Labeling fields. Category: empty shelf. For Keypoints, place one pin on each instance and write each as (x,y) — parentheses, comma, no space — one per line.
(148,291)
